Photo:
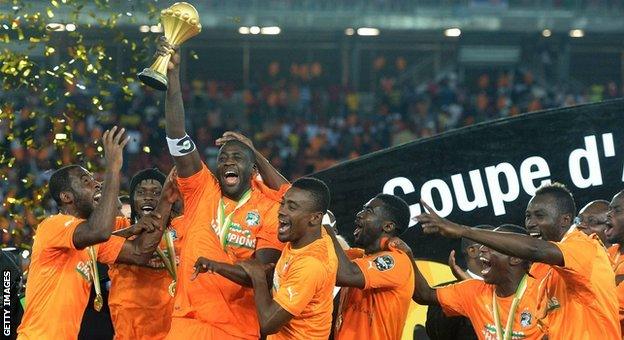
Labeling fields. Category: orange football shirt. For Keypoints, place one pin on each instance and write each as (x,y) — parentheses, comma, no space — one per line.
(617,261)
(59,279)
(139,299)
(303,285)
(211,304)
(578,300)
(380,309)
(473,299)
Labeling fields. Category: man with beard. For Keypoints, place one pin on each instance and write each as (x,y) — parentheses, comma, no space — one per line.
(615,235)
(229,217)
(592,219)
(301,303)
(140,299)
(501,306)
(68,244)
(377,283)
(577,298)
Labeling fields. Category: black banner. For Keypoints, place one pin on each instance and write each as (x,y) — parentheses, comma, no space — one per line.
(486,173)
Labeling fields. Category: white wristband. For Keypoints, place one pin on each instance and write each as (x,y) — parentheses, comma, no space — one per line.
(180,147)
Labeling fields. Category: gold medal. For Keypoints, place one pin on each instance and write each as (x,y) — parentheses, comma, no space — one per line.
(172,288)
(98,302)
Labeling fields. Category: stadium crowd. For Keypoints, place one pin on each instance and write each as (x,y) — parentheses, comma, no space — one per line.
(215,252)
(300,121)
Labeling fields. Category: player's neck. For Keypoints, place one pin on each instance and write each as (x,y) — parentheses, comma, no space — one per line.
(237,195)
(509,284)
(70,210)
(373,248)
(311,235)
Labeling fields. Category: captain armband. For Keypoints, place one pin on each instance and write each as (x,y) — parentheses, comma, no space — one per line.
(180,146)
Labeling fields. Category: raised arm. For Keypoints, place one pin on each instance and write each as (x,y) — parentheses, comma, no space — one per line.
(186,156)
(521,246)
(140,250)
(99,226)
(349,274)
(423,293)
(271,177)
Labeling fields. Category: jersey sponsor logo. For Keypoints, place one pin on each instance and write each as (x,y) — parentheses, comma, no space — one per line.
(253,218)
(84,269)
(240,237)
(383,262)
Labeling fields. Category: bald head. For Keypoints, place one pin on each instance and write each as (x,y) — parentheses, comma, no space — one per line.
(592,219)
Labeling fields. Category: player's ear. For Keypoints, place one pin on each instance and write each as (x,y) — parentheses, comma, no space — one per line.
(67,197)
(388,227)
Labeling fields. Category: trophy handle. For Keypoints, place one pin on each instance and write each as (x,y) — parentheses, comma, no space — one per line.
(156,75)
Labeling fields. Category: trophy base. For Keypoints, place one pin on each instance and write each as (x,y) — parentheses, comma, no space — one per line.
(153,79)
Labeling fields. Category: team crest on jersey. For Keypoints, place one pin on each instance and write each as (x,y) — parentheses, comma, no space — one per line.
(526,318)
(384,262)
(253,218)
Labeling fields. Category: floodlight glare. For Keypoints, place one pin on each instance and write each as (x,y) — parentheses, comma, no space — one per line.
(452,32)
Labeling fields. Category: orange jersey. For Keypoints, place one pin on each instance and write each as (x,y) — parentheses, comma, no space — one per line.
(303,285)
(473,299)
(213,299)
(578,300)
(139,300)
(59,280)
(617,261)
(379,310)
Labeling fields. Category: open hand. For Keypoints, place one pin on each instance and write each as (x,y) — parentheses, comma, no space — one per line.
(114,141)
(458,272)
(434,224)
(231,135)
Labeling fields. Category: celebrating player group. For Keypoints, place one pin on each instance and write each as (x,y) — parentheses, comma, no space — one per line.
(241,253)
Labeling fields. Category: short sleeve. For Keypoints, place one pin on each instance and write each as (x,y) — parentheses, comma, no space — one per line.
(299,285)
(386,270)
(193,187)
(57,232)
(579,252)
(108,251)
(267,236)
(455,299)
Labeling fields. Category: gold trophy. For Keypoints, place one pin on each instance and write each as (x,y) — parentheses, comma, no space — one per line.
(180,23)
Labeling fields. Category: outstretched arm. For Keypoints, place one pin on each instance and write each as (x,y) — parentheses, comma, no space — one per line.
(231,272)
(271,177)
(271,315)
(188,161)
(99,226)
(423,293)
(521,246)
(349,274)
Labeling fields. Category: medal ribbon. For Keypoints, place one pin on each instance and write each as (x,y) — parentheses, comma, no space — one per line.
(99,301)
(512,311)
(226,221)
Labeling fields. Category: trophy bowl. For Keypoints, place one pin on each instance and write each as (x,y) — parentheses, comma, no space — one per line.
(180,22)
